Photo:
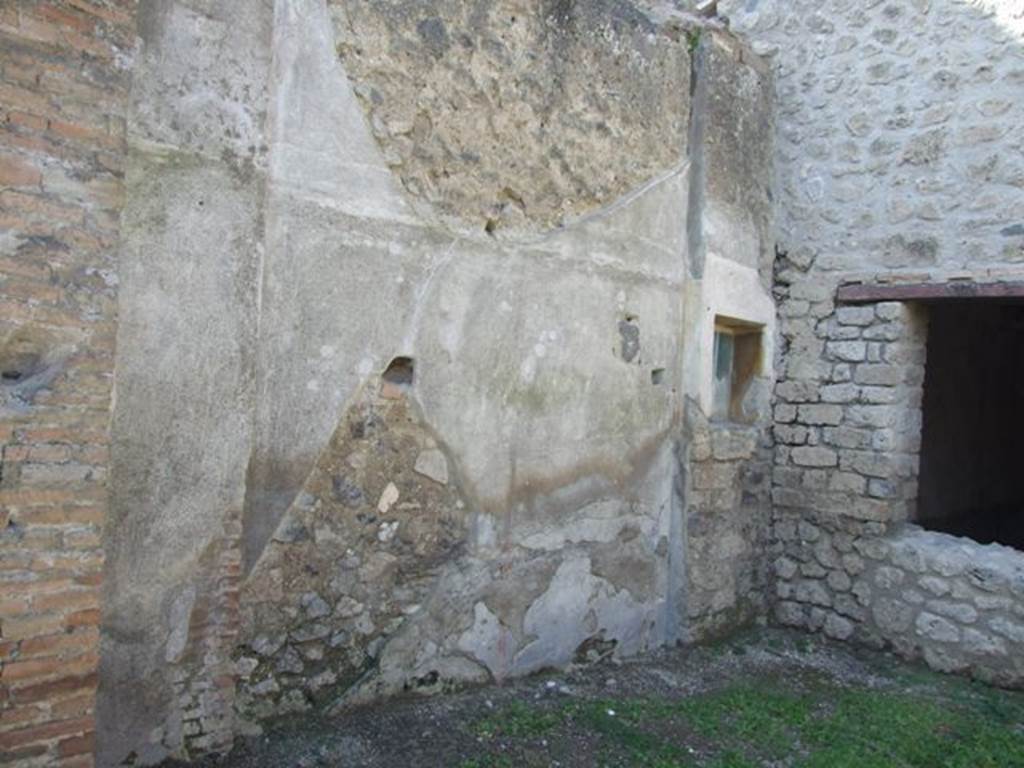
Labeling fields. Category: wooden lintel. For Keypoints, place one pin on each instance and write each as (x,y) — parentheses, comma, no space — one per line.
(863,293)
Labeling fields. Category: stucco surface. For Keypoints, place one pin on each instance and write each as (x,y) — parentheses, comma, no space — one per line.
(275,269)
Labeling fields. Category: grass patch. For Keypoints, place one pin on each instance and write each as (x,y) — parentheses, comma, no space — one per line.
(520,720)
(804,722)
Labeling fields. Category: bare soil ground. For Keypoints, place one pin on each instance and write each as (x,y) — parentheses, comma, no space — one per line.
(766,698)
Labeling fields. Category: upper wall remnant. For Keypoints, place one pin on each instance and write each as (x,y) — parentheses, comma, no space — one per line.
(736,122)
(515,114)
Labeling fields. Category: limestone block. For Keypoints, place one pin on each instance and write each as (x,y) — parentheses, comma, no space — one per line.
(893,617)
(936,628)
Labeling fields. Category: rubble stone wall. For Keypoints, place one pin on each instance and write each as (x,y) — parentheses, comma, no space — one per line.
(955,603)
(898,159)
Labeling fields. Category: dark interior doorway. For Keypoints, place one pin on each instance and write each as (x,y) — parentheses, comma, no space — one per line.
(972,446)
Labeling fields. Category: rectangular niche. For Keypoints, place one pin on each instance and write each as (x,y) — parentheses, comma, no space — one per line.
(737,360)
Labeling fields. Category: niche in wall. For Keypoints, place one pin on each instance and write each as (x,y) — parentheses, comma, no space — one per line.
(737,360)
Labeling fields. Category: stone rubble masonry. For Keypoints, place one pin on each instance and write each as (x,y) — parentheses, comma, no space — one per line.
(955,603)
(899,145)
(899,157)
(727,526)
(425,93)
(360,552)
(63,91)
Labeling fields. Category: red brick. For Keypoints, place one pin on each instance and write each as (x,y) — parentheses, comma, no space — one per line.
(37,29)
(18,172)
(32,669)
(17,497)
(13,606)
(77,745)
(55,688)
(85,639)
(77,706)
(37,205)
(58,601)
(32,290)
(60,102)
(20,629)
(7,649)
(84,539)
(28,120)
(24,100)
(61,17)
(38,733)
(22,716)
(90,618)
(86,514)
(28,589)
(91,578)
(111,15)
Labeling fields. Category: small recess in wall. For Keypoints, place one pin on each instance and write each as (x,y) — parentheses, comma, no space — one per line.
(397,378)
(629,338)
(736,362)
(658,376)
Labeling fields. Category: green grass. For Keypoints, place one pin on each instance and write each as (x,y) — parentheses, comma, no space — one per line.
(807,722)
(519,720)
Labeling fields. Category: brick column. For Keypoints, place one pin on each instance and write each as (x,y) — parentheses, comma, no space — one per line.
(63,92)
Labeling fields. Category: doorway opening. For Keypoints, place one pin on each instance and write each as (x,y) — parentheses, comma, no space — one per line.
(971,480)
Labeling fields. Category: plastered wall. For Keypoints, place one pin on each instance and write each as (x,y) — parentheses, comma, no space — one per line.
(291,529)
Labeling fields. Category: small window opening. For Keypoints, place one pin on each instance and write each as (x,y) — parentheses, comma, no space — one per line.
(970,481)
(658,377)
(737,360)
(397,378)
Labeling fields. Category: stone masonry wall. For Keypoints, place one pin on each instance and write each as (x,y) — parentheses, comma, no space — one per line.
(955,603)
(63,91)
(900,137)
(479,110)
(728,520)
(898,159)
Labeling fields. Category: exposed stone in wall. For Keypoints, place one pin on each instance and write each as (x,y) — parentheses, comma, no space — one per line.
(955,603)
(520,113)
(361,549)
(204,625)
(728,524)
(375,582)
(63,92)
(899,144)
(847,416)
(899,159)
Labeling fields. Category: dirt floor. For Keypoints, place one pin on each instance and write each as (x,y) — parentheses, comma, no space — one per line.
(767,698)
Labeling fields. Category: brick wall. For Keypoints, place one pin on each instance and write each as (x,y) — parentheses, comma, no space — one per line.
(63,90)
